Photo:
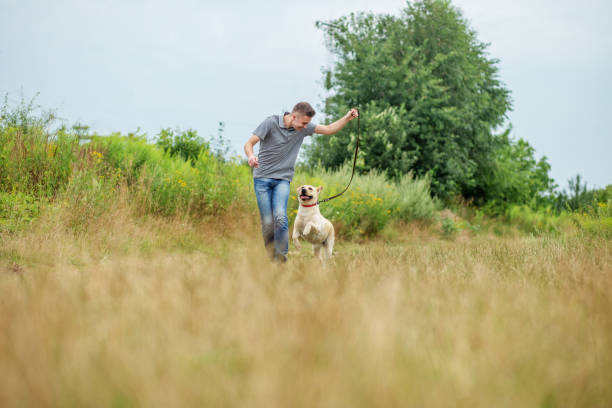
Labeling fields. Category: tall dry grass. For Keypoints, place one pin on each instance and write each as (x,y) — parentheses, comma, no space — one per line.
(140,312)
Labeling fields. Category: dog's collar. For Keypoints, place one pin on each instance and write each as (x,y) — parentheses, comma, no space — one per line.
(311,205)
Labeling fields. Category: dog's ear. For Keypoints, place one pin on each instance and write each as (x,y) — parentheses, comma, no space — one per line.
(319,189)
(297,190)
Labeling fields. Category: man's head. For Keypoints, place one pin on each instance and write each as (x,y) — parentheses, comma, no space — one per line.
(301,115)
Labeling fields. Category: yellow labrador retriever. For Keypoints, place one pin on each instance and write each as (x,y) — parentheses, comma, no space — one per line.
(311,225)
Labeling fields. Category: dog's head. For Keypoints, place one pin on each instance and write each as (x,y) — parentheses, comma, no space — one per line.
(308,195)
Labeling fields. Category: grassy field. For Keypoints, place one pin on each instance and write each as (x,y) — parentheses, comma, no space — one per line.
(157,311)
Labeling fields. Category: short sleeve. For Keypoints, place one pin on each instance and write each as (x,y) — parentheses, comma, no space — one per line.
(263,129)
(310,128)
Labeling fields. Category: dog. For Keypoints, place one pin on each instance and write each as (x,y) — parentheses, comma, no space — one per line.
(311,225)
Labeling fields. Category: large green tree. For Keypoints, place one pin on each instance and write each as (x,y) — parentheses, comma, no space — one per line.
(429,95)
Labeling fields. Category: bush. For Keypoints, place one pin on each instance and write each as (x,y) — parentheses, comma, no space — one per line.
(537,222)
(597,222)
(579,198)
(33,159)
(89,194)
(167,184)
(178,176)
(17,210)
(514,177)
(448,227)
(186,144)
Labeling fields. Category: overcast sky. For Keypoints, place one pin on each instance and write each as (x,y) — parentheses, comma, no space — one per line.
(117,65)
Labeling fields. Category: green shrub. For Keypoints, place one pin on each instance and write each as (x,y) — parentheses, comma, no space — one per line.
(514,177)
(449,228)
(579,198)
(595,226)
(596,222)
(167,184)
(17,210)
(596,219)
(186,144)
(536,222)
(33,159)
(89,194)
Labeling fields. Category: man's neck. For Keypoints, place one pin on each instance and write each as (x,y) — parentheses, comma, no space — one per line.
(287,120)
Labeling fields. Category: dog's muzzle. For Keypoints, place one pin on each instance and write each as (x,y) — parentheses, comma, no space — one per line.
(304,195)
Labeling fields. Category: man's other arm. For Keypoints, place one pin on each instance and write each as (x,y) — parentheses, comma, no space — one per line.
(248,150)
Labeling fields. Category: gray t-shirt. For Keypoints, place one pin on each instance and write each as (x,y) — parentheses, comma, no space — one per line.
(279,147)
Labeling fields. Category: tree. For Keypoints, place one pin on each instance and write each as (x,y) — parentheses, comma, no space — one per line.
(429,95)
(514,177)
(580,198)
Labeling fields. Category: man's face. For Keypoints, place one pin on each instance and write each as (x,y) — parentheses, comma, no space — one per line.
(299,121)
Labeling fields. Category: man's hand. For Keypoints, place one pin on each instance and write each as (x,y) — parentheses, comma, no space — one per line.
(352,114)
(253,161)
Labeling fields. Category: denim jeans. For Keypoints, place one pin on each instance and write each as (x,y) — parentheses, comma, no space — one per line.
(272,197)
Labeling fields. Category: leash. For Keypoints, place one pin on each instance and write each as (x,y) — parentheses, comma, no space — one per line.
(354,163)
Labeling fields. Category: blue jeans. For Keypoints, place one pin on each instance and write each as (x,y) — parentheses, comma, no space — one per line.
(272,197)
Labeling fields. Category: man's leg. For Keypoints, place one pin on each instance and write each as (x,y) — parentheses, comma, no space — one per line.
(280,197)
(263,192)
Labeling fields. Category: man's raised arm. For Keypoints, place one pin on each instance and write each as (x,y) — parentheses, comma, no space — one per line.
(337,125)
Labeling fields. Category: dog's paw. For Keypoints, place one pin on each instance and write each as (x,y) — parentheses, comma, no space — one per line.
(297,244)
(307,229)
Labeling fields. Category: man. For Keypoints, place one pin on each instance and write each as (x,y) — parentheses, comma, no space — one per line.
(281,137)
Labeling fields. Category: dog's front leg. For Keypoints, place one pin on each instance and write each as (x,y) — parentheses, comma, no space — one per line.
(310,227)
(295,237)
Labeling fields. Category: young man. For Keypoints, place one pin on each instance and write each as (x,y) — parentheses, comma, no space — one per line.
(281,137)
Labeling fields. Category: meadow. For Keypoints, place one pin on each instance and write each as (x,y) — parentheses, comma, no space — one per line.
(160,312)
(133,278)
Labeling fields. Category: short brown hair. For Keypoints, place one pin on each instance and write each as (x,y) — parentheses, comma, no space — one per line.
(304,108)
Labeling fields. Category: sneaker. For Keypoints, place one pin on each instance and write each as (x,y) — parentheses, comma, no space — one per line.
(280,258)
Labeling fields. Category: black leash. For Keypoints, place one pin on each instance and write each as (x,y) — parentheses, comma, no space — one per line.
(354,163)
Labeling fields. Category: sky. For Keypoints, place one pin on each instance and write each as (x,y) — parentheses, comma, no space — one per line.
(123,65)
